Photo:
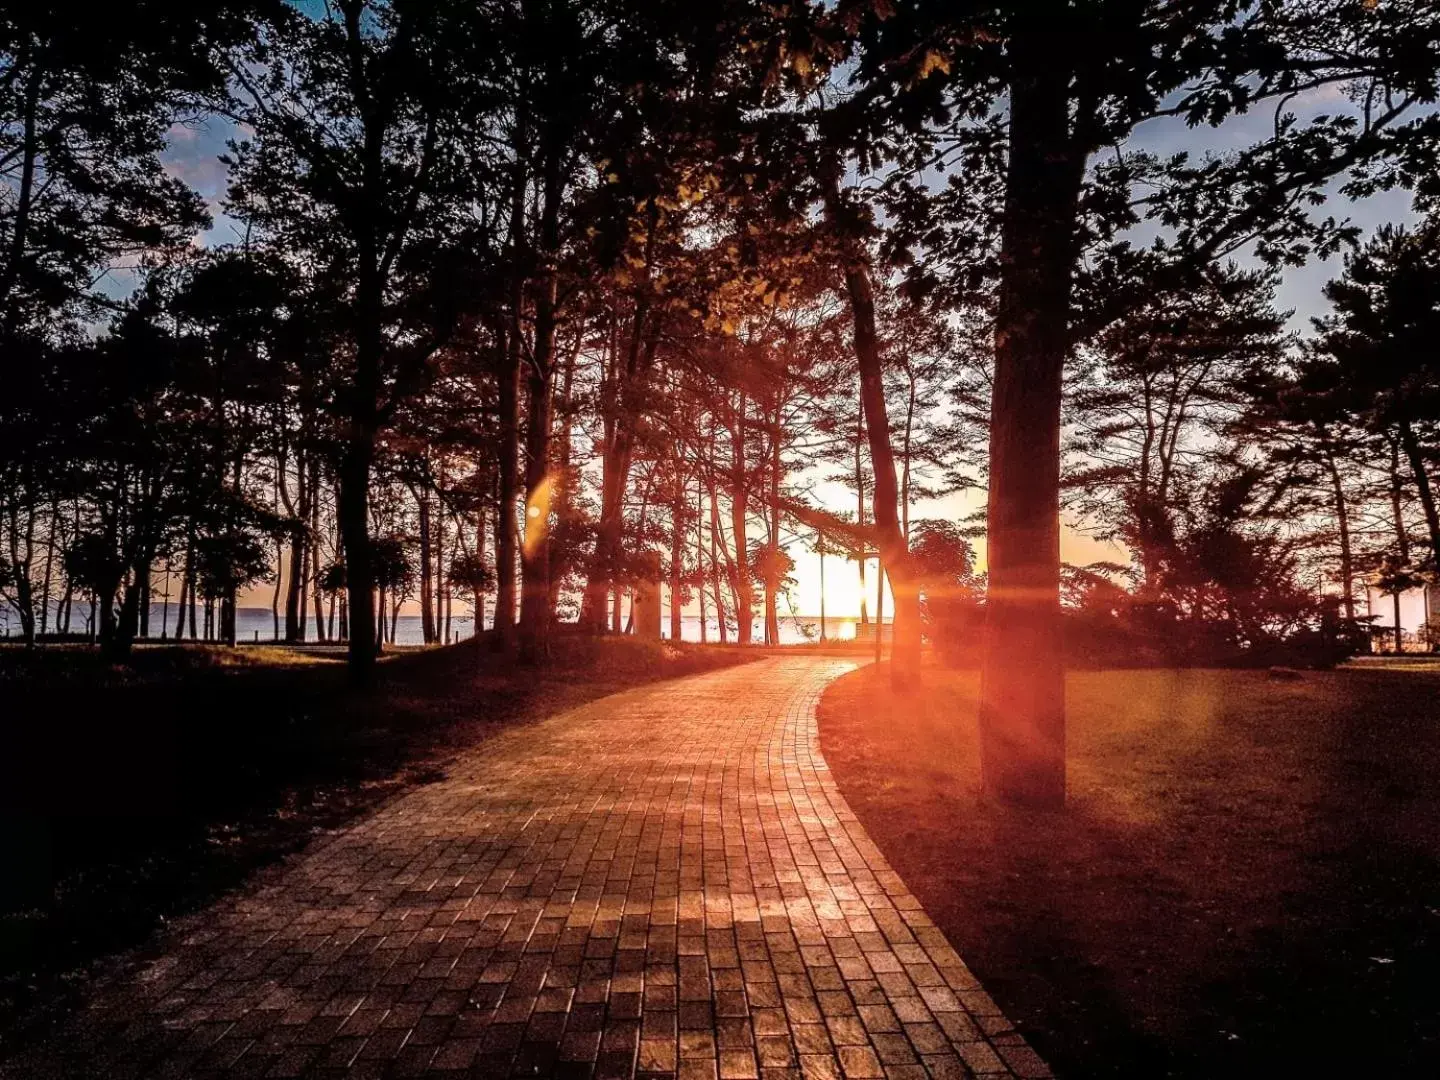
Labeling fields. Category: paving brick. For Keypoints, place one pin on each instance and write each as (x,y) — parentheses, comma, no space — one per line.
(663,883)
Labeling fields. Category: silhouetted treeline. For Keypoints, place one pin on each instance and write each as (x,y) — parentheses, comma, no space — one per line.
(542,301)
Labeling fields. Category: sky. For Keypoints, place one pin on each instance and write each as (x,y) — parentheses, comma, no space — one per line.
(194,156)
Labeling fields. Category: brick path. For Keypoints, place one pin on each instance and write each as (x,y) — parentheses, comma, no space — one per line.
(661,883)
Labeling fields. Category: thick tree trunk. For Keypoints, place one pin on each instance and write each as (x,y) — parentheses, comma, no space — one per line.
(1022,694)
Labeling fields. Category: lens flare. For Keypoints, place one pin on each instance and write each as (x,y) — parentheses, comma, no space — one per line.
(537,514)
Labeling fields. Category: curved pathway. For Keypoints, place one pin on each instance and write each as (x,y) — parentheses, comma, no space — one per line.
(665,882)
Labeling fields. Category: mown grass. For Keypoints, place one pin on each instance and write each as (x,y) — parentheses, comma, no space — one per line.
(132,793)
(1246,880)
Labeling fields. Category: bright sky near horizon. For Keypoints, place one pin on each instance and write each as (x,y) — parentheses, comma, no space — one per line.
(194,152)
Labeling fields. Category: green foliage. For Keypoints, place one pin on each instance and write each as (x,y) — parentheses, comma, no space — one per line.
(393,566)
(943,562)
(472,572)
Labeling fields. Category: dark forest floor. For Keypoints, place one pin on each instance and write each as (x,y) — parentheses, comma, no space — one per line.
(130,795)
(1246,881)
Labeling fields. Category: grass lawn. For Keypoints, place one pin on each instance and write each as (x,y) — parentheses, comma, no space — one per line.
(132,794)
(1246,880)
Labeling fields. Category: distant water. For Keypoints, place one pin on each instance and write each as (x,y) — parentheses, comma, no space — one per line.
(257,624)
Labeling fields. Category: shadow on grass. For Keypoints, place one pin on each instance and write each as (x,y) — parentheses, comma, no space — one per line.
(132,794)
(1246,880)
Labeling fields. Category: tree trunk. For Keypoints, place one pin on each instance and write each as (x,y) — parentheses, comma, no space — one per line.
(508,398)
(20,566)
(45,580)
(142,586)
(444,592)
(299,512)
(880,614)
(1399,633)
(229,610)
(1022,692)
(275,593)
(885,502)
(353,511)
(313,549)
(1397,489)
(24,195)
(700,555)
(739,525)
(1416,459)
(507,466)
(427,616)
(1342,521)
(535,614)
(773,581)
(627,382)
(860,520)
(677,545)
(715,540)
(821,539)
(119,641)
(187,589)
